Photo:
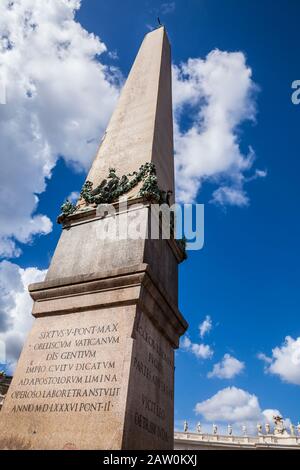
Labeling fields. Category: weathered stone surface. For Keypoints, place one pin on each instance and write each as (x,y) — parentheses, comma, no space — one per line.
(109,369)
(141,127)
(78,244)
(149,412)
(72,380)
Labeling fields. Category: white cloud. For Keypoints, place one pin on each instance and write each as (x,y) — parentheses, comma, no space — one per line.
(15,307)
(201,351)
(285,361)
(168,7)
(219,93)
(264,357)
(205,326)
(236,406)
(113,55)
(53,80)
(73,196)
(226,196)
(227,368)
(230,404)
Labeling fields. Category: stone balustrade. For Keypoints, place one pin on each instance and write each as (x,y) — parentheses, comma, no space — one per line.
(278,430)
(204,441)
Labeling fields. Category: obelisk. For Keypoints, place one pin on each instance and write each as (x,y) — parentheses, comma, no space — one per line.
(97,369)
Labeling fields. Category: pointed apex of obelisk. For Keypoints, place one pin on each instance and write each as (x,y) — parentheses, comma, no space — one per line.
(159,30)
(140,130)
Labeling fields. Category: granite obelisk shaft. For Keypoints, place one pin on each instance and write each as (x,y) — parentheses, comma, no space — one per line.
(141,127)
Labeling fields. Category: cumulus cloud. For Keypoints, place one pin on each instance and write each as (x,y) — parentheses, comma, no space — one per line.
(285,361)
(53,80)
(264,357)
(73,196)
(227,368)
(201,351)
(167,7)
(226,196)
(236,406)
(205,326)
(218,95)
(230,404)
(15,307)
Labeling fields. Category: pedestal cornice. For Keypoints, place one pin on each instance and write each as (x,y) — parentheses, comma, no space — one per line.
(125,286)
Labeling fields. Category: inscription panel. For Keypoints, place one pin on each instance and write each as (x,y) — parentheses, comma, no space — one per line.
(74,369)
(151,393)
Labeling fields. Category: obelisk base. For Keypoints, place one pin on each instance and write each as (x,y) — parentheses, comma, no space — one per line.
(97,370)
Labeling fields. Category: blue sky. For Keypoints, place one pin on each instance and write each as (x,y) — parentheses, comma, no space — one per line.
(246,278)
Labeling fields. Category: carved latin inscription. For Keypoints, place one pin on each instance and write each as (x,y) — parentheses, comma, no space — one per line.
(73,369)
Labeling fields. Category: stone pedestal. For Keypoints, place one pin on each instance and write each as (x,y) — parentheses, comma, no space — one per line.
(97,370)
